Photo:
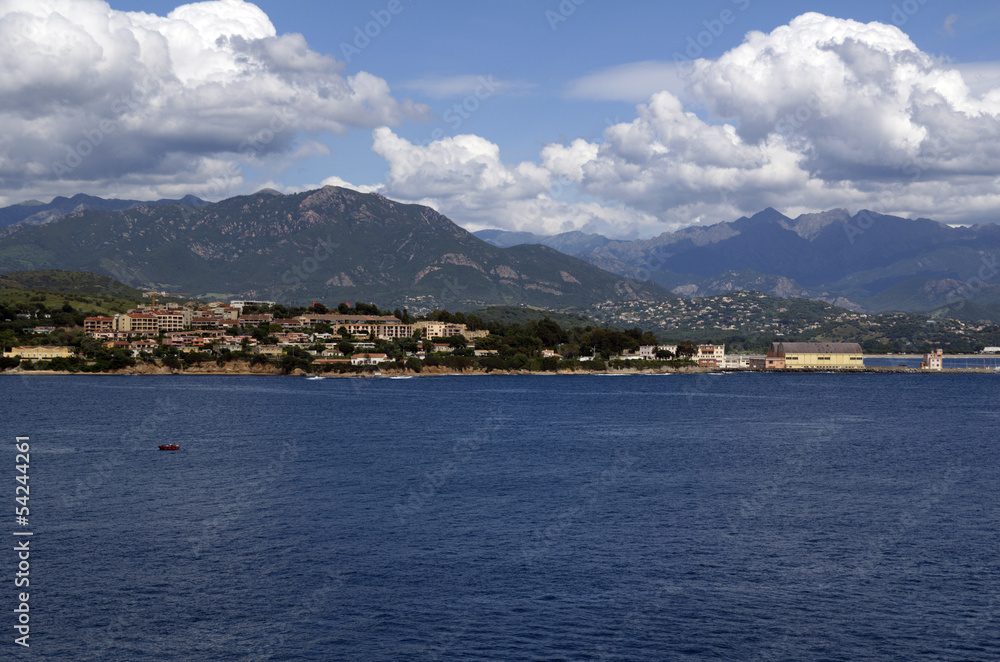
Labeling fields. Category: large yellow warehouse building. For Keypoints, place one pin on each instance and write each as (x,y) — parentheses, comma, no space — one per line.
(835,355)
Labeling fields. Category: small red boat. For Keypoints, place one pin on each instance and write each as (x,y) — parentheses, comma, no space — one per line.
(169,447)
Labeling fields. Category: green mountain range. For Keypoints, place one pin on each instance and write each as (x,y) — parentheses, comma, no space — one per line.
(33,212)
(67,282)
(866,262)
(331,244)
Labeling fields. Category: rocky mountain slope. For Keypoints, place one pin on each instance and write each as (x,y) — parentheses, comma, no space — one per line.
(865,261)
(331,244)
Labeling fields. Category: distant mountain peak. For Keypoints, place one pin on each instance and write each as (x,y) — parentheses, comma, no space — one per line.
(769,214)
(573,242)
(808,226)
(333,244)
(34,212)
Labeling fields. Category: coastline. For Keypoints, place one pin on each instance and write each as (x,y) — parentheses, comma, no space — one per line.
(441,371)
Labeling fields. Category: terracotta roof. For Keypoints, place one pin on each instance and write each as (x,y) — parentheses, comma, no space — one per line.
(817,347)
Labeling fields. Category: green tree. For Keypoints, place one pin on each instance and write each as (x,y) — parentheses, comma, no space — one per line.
(518,361)
(8,339)
(550,333)
(648,339)
(686,348)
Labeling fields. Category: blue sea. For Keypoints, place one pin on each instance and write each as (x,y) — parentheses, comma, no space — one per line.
(643,517)
(983,361)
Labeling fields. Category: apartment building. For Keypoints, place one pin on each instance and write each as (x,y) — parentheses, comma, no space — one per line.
(92,325)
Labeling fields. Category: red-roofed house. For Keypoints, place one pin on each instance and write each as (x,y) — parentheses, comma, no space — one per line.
(371,358)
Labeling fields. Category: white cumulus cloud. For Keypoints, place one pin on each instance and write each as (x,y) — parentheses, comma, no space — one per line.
(820,113)
(128,100)
(464,178)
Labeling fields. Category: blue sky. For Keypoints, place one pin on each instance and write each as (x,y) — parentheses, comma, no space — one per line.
(515,40)
(517,114)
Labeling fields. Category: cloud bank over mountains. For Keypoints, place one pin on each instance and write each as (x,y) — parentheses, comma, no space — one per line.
(140,103)
(820,113)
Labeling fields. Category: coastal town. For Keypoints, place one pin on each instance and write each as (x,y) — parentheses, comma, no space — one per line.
(743,314)
(177,335)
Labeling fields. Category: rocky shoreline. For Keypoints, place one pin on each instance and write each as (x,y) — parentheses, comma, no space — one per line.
(242,368)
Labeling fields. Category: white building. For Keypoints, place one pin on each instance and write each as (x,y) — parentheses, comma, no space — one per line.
(649,351)
(241,304)
(710,356)
(735,361)
(373,358)
(933,361)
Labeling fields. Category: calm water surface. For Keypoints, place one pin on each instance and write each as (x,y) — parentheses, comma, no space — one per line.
(725,517)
